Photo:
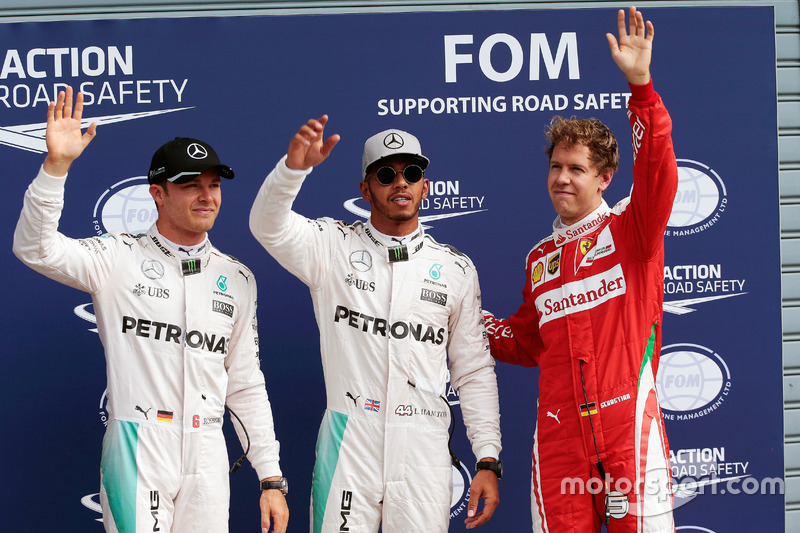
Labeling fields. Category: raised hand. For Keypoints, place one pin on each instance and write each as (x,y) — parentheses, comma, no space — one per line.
(64,139)
(633,52)
(307,149)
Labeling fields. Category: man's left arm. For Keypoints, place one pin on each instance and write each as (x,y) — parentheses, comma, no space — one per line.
(472,375)
(247,397)
(655,170)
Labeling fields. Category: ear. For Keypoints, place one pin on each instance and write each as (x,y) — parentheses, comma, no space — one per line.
(365,193)
(425,186)
(158,194)
(605,180)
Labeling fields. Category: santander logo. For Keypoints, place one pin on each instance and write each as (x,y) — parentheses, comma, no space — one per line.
(581,295)
(572,232)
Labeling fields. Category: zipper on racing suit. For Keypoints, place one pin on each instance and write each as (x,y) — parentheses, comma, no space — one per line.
(616,503)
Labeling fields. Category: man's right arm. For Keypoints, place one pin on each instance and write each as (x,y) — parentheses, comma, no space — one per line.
(82,264)
(79,263)
(297,243)
(516,340)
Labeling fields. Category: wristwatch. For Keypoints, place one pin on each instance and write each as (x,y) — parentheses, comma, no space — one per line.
(281,485)
(494,466)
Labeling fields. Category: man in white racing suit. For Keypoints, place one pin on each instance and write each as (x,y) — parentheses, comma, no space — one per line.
(396,310)
(177,319)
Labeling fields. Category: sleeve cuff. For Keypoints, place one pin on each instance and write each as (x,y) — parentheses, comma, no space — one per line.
(268,469)
(48,186)
(289,173)
(643,94)
(487,450)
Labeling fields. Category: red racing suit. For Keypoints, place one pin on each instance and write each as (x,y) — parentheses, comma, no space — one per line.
(591,320)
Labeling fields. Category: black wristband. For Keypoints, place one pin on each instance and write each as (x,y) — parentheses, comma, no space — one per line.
(494,466)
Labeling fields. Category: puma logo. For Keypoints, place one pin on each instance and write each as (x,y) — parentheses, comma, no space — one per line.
(354,399)
(143,412)
(554,415)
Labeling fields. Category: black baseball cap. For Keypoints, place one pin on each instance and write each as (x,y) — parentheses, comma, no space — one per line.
(183,159)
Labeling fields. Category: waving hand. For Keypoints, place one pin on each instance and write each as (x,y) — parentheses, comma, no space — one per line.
(633,52)
(64,139)
(306,148)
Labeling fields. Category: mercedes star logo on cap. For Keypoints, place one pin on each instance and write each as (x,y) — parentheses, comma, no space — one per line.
(196,151)
(393,141)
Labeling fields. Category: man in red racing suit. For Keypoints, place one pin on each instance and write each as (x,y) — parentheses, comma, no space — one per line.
(591,319)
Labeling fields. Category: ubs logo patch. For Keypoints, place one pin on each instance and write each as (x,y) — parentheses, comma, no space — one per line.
(153,292)
(360,284)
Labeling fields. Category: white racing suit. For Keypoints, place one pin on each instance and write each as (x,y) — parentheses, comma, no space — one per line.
(389,320)
(181,341)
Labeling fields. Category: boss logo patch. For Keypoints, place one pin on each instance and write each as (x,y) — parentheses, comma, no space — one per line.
(222,307)
(433,296)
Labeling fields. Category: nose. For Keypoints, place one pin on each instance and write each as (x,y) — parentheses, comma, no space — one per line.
(399,179)
(205,193)
(562,176)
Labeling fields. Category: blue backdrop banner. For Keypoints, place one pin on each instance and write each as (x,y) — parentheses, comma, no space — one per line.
(477,88)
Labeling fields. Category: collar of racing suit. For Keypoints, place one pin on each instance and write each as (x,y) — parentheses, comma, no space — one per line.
(587,224)
(396,249)
(200,251)
(185,251)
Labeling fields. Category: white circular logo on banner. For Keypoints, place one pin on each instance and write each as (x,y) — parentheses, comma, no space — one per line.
(103,408)
(692,380)
(693,529)
(92,502)
(700,200)
(461,482)
(125,207)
